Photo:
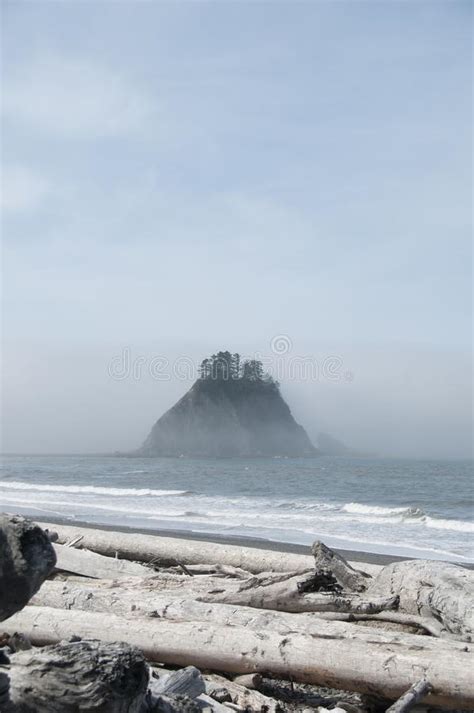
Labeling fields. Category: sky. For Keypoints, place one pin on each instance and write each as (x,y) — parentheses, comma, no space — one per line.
(181,177)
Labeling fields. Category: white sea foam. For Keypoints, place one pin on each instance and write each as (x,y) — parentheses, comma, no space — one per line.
(359,508)
(88,489)
(407,515)
(74,506)
(455,525)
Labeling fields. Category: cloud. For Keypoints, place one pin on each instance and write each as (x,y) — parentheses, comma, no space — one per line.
(76,99)
(22,189)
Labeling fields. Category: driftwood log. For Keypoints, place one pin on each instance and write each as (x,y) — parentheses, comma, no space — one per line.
(423,587)
(79,676)
(437,591)
(255,592)
(91,564)
(221,689)
(26,559)
(262,592)
(348,664)
(225,609)
(442,591)
(169,551)
(282,597)
(134,602)
(423,625)
(414,695)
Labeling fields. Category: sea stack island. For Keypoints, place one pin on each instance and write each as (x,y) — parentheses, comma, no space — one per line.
(234,409)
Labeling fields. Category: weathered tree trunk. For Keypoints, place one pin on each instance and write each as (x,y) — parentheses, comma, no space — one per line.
(281,596)
(433,589)
(168,551)
(26,559)
(85,675)
(136,603)
(287,596)
(384,669)
(91,564)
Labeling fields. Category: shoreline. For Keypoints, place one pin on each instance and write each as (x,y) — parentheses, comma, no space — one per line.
(242,540)
(250,541)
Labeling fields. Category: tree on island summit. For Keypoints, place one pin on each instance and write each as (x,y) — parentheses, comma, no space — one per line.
(236,366)
(225,366)
(252,370)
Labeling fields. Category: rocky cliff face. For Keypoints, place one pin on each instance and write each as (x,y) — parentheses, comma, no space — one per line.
(229,417)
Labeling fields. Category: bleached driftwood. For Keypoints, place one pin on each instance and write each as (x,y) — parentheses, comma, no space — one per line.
(282,596)
(91,564)
(287,595)
(349,664)
(216,570)
(85,675)
(249,680)
(135,602)
(241,696)
(429,625)
(442,591)
(414,695)
(168,551)
(26,559)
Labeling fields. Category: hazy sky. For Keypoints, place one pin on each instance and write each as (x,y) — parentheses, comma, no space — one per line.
(181,177)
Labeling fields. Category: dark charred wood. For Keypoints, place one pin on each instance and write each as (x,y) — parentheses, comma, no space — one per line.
(321,581)
(26,558)
(83,676)
(168,704)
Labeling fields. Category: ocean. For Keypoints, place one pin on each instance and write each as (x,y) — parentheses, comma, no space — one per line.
(412,508)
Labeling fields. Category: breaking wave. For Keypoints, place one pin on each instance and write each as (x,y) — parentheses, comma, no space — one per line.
(413,515)
(455,525)
(358,508)
(89,489)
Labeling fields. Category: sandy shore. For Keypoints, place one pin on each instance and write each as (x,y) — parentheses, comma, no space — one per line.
(257,543)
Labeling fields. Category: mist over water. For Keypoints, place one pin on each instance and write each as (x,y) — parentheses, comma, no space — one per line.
(401,401)
(404,507)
